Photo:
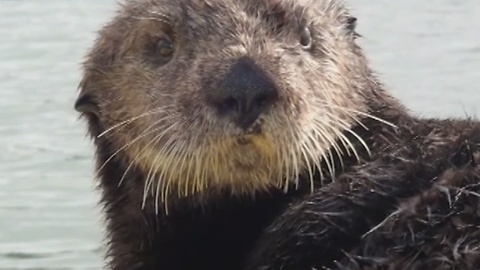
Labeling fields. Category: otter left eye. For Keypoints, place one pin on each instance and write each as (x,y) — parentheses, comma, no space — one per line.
(306,38)
(165,48)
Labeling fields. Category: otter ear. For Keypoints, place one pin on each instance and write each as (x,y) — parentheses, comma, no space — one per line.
(351,23)
(85,102)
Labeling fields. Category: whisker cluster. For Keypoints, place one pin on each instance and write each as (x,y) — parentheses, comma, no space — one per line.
(192,165)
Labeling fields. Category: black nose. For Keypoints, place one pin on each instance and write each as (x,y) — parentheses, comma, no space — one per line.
(245,93)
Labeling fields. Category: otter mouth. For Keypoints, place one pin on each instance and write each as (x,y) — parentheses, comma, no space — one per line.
(244,141)
(255,129)
(247,136)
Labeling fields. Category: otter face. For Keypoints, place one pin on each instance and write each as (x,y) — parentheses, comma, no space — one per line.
(206,95)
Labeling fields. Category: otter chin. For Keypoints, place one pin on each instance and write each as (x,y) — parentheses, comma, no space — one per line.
(253,134)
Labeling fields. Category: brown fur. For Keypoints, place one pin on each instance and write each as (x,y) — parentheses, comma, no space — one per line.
(185,188)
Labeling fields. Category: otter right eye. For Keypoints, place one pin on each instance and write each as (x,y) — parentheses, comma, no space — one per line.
(165,48)
(306,38)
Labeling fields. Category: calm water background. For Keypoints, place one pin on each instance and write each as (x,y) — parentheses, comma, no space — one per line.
(427,53)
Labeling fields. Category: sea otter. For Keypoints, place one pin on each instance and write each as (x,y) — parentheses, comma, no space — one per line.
(252,134)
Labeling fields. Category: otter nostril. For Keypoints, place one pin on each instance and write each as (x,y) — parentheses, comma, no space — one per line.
(261,101)
(229,104)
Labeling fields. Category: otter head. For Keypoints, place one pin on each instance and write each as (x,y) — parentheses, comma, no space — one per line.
(210,95)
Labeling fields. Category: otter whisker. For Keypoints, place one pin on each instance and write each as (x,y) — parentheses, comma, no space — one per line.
(329,166)
(151,172)
(361,140)
(368,115)
(128,121)
(204,164)
(358,137)
(323,131)
(178,151)
(198,164)
(221,155)
(305,149)
(162,169)
(282,174)
(182,169)
(293,160)
(191,174)
(319,139)
(217,159)
(200,170)
(285,164)
(326,159)
(180,164)
(328,102)
(354,117)
(141,136)
(164,177)
(306,142)
(321,126)
(203,176)
(345,141)
(296,160)
(345,126)
(155,140)
(332,160)
(280,153)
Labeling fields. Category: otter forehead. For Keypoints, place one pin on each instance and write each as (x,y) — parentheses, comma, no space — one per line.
(201,17)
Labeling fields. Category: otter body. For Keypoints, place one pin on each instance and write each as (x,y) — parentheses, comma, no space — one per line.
(253,135)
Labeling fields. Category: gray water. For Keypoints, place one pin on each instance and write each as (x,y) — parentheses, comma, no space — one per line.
(426,52)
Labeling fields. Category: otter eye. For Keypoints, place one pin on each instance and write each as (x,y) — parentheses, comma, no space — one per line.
(306,38)
(159,51)
(165,48)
